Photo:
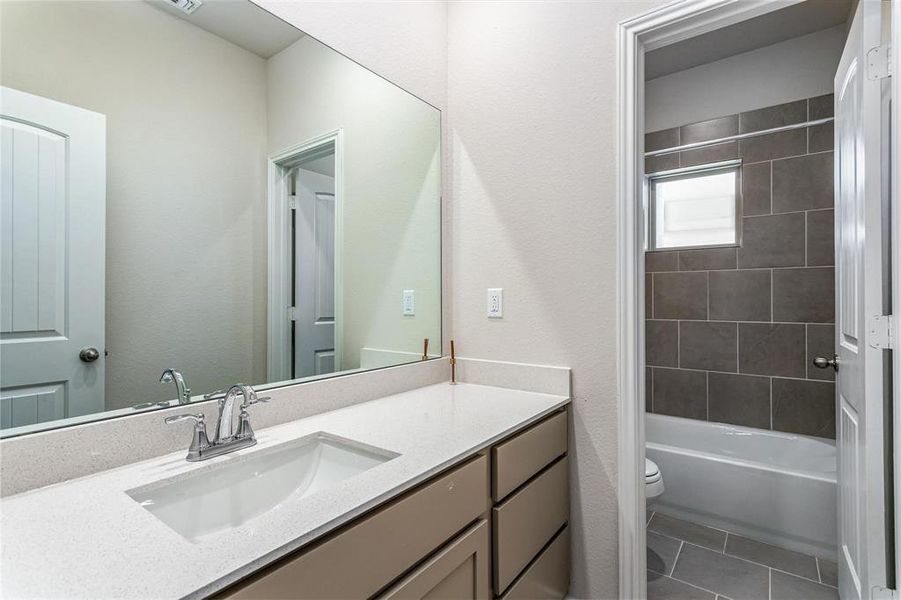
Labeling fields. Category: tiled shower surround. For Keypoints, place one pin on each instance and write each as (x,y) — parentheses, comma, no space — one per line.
(731,332)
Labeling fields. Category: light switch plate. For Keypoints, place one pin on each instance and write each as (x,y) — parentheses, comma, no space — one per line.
(409,303)
(495,303)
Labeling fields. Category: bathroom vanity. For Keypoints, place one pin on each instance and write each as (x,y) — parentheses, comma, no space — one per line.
(494,518)
(454,491)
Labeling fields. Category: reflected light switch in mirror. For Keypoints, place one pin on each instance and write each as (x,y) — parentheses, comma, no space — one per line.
(495,303)
(409,303)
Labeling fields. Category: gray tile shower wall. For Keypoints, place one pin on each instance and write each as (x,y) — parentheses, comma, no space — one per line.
(731,332)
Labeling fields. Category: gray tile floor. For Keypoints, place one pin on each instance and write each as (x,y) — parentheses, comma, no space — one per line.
(687,561)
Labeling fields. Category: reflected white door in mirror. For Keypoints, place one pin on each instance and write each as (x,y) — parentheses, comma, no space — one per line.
(52,272)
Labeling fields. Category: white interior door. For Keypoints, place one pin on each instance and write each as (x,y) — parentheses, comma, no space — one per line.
(314,309)
(53,180)
(860,286)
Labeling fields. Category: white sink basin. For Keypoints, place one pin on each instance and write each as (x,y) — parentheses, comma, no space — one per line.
(228,494)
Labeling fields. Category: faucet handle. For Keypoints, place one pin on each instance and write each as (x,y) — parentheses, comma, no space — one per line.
(213,395)
(200,443)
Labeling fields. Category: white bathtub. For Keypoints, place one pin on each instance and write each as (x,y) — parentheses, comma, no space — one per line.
(775,487)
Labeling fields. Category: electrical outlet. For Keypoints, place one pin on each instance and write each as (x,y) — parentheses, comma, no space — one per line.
(409,303)
(495,303)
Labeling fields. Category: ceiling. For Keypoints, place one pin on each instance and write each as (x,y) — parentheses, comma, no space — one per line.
(765,30)
(241,22)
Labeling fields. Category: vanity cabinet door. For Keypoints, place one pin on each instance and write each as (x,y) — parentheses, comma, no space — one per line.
(459,571)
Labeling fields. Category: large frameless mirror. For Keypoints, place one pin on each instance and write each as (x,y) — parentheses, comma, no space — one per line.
(201,186)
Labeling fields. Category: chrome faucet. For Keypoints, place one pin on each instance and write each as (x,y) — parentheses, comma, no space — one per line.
(184,392)
(228,438)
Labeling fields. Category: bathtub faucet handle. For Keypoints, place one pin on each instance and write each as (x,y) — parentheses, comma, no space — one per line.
(821,362)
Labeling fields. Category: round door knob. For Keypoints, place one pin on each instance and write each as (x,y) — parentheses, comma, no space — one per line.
(823,363)
(89,355)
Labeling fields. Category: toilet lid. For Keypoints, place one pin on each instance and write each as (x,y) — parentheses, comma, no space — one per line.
(650,468)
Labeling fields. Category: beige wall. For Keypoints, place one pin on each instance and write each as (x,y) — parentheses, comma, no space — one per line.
(180,256)
(391,220)
(533,117)
(802,67)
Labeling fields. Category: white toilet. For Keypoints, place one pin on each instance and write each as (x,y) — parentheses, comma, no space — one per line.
(653,479)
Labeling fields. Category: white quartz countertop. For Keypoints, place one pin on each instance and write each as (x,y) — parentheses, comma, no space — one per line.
(87,538)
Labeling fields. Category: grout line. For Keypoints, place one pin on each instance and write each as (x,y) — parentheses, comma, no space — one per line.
(816,559)
(725,542)
(769,577)
(771,187)
(675,560)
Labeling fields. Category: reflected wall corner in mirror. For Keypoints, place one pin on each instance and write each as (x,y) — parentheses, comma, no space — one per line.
(206,190)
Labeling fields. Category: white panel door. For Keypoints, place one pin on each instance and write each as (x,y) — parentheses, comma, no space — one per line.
(314,314)
(53,159)
(859,136)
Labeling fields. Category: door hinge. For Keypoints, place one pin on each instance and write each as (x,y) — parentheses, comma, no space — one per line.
(292,202)
(881,332)
(879,62)
(292,313)
(881,593)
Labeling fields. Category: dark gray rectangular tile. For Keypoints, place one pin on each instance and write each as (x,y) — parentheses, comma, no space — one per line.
(680,295)
(739,400)
(820,138)
(665,260)
(772,349)
(774,145)
(804,295)
(820,238)
(828,571)
(662,551)
(755,189)
(779,115)
(803,182)
(693,533)
(680,393)
(821,107)
(707,259)
(789,587)
(713,129)
(740,295)
(662,343)
(772,556)
(708,345)
(709,154)
(661,162)
(648,389)
(661,587)
(820,342)
(772,241)
(660,140)
(733,577)
(648,295)
(806,407)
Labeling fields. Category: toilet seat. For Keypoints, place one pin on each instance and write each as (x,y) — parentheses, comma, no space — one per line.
(653,479)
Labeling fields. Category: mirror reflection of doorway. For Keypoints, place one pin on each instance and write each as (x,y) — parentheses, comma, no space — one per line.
(312,185)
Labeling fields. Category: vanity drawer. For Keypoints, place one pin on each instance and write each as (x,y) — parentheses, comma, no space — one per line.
(548,576)
(527,520)
(374,551)
(519,458)
(459,571)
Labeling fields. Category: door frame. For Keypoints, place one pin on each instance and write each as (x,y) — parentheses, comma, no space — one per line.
(278,340)
(635,36)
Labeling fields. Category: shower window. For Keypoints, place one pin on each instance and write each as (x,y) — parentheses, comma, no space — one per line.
(696,207)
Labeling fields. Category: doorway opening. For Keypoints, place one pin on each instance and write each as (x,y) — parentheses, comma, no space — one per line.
(749,167)
(305,260)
